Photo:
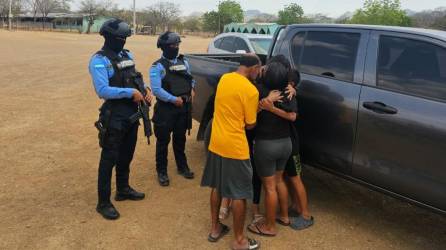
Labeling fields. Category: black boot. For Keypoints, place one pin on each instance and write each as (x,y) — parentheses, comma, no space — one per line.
(163,179)
(129,194)
(186,173)
(108,211)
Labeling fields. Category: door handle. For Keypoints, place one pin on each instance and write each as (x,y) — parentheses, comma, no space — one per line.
(380,108)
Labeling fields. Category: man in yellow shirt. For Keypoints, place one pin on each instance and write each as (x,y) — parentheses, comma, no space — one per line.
(228,168)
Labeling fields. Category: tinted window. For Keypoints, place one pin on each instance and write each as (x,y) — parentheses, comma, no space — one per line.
(296,47)
(241,45)
(217,43)
(261,45)
(228,44)
(412,67)
(330,54)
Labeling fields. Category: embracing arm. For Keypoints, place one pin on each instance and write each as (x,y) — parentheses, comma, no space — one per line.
(267,105)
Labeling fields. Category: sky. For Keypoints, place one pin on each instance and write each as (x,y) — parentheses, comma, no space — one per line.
(332,8)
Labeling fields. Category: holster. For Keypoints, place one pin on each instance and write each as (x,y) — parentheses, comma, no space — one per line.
(103,125)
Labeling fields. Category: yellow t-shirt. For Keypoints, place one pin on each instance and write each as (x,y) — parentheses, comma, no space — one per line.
(236,103)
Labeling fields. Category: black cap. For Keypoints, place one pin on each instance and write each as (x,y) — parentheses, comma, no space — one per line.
(115,27)
(168,38)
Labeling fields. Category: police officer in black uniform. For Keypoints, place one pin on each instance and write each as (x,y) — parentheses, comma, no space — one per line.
(113,73)
(172,84)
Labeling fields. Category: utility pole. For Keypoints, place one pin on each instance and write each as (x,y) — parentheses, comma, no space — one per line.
(10,16)
(134,16)
(219,21)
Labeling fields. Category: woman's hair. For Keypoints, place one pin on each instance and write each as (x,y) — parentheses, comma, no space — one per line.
(294,76)
(276,76)
(280,59)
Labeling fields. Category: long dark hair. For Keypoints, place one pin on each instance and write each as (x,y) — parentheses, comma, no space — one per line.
(276,76)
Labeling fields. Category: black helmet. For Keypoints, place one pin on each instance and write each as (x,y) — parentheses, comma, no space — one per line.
(168,38)
(115,27)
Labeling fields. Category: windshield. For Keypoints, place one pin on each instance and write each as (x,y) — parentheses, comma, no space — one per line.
(261,45)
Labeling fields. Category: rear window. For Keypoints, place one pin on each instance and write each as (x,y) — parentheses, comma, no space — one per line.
(330,54)
(412,66)
(261,45)
(217,43)
(240,44)
(228,44)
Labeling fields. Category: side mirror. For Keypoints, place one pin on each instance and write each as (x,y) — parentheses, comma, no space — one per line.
(241,51)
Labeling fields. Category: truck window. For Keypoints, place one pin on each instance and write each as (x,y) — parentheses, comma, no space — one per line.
(296,48)
(412,67)
(331,54)
(228,44)
(240,44)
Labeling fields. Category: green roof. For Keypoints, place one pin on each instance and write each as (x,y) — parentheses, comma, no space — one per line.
(253,28)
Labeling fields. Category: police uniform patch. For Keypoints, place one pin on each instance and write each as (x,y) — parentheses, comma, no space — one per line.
(178,68)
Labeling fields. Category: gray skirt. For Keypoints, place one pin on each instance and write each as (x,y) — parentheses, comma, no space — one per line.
(232,178)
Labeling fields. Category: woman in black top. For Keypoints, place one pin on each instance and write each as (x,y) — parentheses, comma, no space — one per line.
(272,147)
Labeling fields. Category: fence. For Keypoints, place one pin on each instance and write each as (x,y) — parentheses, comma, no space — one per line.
(41,26)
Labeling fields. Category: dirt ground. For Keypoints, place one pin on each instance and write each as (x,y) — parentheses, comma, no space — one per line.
(49,157)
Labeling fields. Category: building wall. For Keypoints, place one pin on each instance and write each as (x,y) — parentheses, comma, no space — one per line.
(98,22)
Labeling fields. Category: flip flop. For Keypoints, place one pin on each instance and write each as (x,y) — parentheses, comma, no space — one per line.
(224,231)
(283,223)
(300,223)
(252,245)
(258,231)
(257,218)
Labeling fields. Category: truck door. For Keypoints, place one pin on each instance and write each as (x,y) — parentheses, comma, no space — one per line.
(401,141)
(331,62)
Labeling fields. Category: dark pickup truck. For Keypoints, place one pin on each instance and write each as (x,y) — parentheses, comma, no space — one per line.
(372,103)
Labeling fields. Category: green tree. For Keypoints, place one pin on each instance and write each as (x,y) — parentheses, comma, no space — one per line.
(381,12)
(228,12)
(210,21)
(291,14)
(440,23)
(193,24)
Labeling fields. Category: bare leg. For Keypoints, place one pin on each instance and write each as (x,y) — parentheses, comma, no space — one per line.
(255,210)
(283,196)
(239,213)
(225,202)
(301,196)
(224,208)
(269,184)
(292,193)
(215,201)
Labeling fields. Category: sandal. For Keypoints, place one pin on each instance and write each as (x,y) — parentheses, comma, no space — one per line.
(224,213)
(300,223)
(283,223)
(257,218)
(252,245)
(224,231)
(255,229)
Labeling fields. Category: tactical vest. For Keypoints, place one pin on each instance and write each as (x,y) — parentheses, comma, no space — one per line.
(124,71)
(177,81)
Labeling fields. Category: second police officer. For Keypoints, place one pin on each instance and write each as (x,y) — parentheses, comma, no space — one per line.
(114,77)
(172,85)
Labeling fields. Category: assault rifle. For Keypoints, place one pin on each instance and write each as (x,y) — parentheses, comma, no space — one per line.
(143,107)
